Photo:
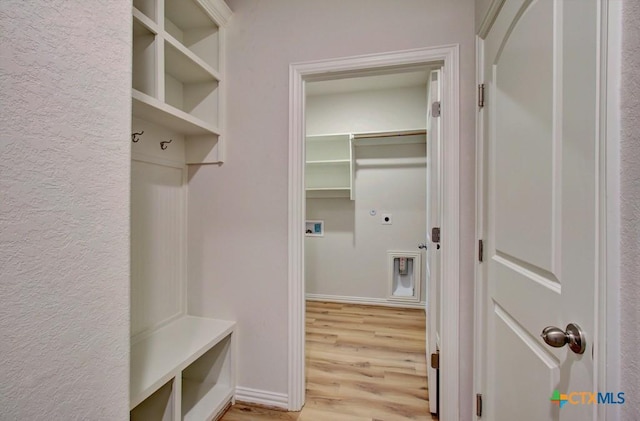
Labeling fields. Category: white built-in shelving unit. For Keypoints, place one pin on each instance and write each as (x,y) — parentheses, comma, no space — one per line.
(178,71)
(329,166)
(182,366)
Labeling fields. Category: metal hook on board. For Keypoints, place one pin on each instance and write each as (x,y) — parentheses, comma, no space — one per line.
(163,145)
(135,136)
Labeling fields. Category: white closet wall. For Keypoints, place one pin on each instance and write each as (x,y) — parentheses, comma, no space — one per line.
(350,261)
(379,110)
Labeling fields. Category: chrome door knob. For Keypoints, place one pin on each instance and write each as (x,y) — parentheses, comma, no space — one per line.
(422,246)
(557,338)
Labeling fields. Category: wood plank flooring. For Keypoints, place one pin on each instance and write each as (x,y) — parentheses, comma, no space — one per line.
(363,363)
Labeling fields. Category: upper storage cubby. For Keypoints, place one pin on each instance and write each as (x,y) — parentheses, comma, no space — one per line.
(148,8)
(190,85)
(144,58)
(178,71)
(329,168)
(188,23)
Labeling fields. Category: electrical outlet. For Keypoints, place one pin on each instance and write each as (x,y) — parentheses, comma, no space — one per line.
(386,219)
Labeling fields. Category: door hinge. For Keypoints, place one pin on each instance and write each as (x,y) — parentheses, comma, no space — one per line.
(436,109)
(479,404)
(481,95)
(480,250)
(435,234)
(435,360)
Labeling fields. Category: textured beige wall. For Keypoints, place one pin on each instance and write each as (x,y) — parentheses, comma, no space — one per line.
(630,210)
(64,209)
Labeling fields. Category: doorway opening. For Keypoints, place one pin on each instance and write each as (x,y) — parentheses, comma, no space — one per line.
(366,236)
(366,187)
(378,64)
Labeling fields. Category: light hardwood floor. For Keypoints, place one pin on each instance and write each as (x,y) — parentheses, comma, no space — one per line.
(363,363)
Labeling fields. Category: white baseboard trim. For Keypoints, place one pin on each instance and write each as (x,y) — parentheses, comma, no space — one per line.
(262,397)
(364,300)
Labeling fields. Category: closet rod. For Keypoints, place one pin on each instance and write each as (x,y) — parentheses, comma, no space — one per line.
(389,134)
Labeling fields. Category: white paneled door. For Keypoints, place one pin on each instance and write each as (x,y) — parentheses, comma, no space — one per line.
(540,119)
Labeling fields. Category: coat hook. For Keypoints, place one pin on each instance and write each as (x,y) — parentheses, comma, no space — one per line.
(163,145)
(135,136)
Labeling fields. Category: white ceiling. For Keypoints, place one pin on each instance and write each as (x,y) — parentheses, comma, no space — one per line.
(368,83)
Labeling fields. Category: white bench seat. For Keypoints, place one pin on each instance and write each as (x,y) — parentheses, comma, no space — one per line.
(165,353)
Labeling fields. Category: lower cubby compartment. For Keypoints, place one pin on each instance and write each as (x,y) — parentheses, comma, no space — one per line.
(207,384)
(183,370)
(159,406)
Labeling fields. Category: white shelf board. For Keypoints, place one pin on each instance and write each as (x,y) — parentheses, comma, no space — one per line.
(391,140)
(327,188)
(145,21)
(206,405)
(328,193)
(148,108)
(336,137)
(163,354)
(329,162)
(189,68)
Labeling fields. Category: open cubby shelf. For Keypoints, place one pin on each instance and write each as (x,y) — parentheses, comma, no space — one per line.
(148,8)
(148,108)
(329,166)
